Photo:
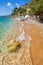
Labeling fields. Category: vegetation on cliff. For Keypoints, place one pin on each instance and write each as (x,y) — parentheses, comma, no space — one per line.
(36,8)
(19,11)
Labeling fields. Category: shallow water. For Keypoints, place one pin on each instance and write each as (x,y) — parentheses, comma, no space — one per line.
(5,25)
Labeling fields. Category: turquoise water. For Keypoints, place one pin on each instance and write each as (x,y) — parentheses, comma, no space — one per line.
(5,25)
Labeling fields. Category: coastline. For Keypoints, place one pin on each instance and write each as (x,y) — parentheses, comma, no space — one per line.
(34,31)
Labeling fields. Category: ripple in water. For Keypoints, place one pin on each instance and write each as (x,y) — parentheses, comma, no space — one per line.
(5,25)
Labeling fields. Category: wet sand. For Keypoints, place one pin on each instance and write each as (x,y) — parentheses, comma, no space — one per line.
(35,30)
(31,52)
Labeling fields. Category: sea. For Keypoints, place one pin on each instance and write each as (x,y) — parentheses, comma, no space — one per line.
(5,24)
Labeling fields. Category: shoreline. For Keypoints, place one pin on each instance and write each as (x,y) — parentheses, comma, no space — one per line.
(34,37)
(35,30)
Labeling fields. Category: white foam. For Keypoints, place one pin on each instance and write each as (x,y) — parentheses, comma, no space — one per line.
(21,27)
(29,37)
(21,37)
(28,45)
(11,41)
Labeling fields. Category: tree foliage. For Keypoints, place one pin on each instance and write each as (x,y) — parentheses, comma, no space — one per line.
(36,6)
(19,11)
(14,12)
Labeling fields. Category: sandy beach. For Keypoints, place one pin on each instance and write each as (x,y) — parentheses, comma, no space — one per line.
(30,35)
(35,31)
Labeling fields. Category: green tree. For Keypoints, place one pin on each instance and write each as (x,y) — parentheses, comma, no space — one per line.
(14,11)
(37,8)
(22,11)
(19,11)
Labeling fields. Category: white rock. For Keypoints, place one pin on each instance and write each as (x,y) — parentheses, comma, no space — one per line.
(26,16)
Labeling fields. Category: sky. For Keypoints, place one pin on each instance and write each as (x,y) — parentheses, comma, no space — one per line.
(7,6)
